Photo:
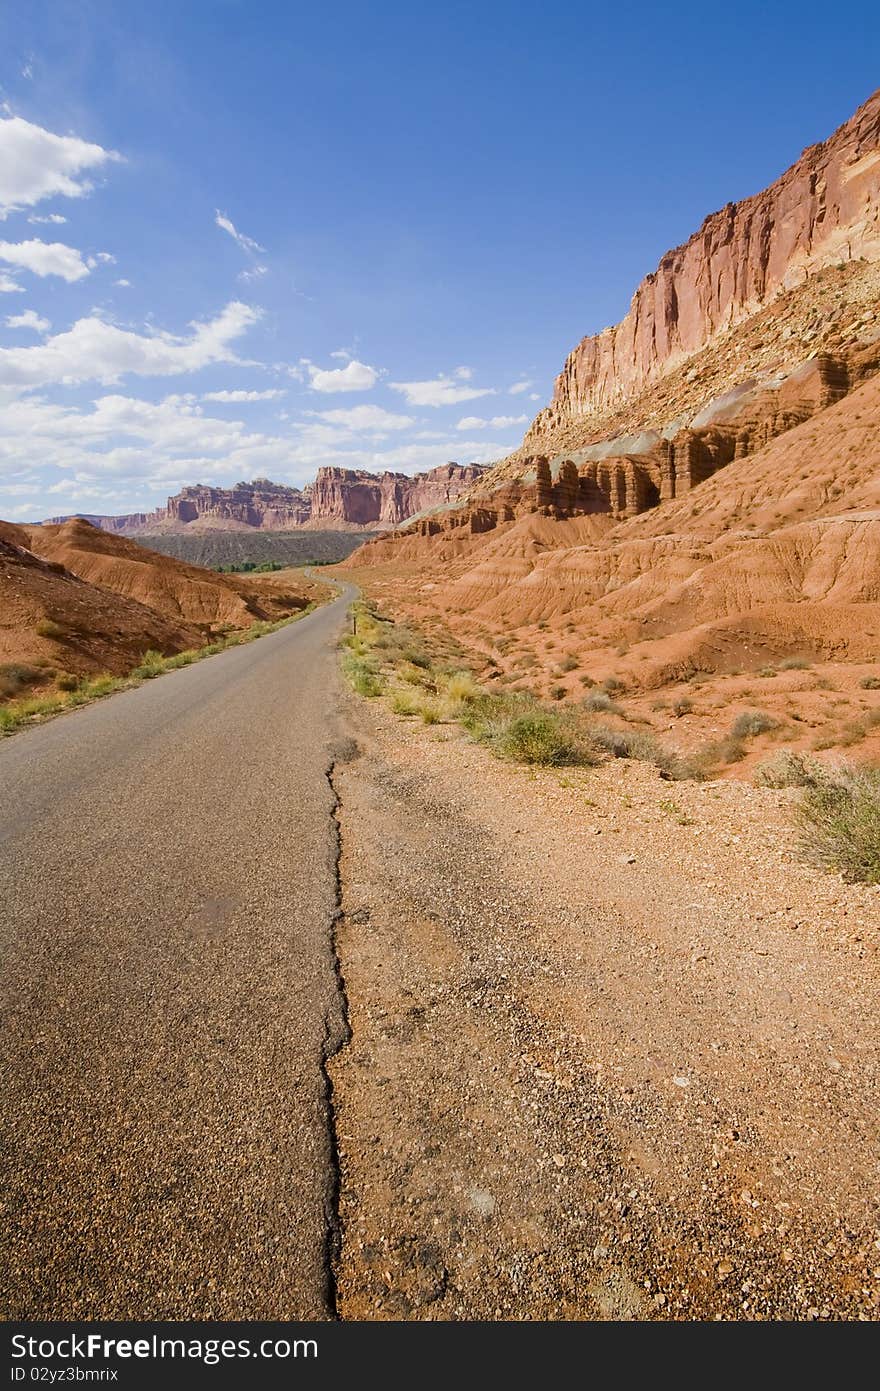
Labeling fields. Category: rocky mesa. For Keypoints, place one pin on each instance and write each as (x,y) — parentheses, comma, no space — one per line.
(339,499)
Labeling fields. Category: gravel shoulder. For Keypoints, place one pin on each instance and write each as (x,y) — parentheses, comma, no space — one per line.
(612,1048)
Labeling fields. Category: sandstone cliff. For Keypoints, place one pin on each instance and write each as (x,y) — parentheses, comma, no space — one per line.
(823,211)
(338,497)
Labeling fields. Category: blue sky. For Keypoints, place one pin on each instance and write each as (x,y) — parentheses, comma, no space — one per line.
(247,239)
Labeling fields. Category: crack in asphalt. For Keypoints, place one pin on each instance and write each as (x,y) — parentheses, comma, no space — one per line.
(337,1036)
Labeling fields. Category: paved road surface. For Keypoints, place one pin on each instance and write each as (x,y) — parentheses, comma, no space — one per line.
(167,889)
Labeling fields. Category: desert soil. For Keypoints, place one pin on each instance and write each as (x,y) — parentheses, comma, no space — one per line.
(611,1050)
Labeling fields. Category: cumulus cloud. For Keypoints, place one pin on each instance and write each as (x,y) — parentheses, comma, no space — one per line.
(366,418)
(443,391)
(94,350)
(50,217)
(8,286)
(123,284)
(45,258)
(36,164)
(354,376)
(518,388)
(246,243)
(122,453)
(464,374)
(497,422)
(29,318)
(272,395)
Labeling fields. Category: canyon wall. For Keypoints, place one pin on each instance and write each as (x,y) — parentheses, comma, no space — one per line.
(824,210)
(338,497)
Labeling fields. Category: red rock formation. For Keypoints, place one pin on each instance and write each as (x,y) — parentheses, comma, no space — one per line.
(338,497)
(824,210)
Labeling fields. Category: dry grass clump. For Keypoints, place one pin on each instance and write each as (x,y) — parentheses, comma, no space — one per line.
(785,768)
(600,701)
(839,822)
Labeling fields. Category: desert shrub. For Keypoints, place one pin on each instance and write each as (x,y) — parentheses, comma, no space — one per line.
(16,677)
(363,675)
(794,664)
(766,671)
(870,683)
(48,628)
(151,664)
(557,693)
(750,723)
(645,748)
(569,664)
(683,706)
(600,700)
(460,688)
(839,821)
(430,711)
(613,683)
(416,675)
(539,738)
(404,702)
(66,681)
(719,753)
(787,769)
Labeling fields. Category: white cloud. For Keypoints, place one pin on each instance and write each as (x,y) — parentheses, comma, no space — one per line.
(36,164)
(342,355)
(366,418)
(242,395)
(45,258)
(464,374)
(106,258)
(497,422)
(8,286)
(93,350)
(246,243)
(441,392)
(122,454)
(255,273)
(355,376)
(519,387)
(123,284)
(534,396)
(50,217)
(28,318)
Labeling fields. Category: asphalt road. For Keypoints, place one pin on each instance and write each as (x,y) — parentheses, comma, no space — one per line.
(167,892)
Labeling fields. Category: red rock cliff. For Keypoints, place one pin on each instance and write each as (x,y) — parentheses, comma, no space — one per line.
(338,497)
(824,209)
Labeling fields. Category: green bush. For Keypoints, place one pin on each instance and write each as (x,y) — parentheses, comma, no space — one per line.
(66,681)
(839,821)
(870,683)
(48,628)
(152,664)
(363,675)
(539,738)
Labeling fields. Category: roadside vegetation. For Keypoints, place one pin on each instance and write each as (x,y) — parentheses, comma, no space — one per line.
(67,691)
(837,811)
(383,658)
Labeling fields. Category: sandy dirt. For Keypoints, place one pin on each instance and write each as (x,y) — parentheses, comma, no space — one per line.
(610,1050)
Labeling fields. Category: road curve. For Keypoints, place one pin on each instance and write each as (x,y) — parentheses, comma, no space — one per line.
(167,892)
